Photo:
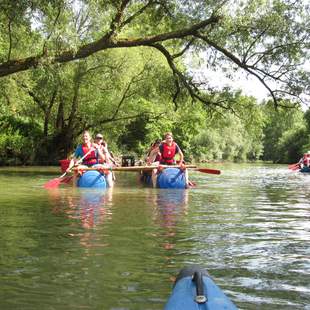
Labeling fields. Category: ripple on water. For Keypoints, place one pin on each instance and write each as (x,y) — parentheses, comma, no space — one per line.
(71,249)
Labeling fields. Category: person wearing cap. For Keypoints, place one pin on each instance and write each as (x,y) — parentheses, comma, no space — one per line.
(305,160)
(104,147)
(109,160)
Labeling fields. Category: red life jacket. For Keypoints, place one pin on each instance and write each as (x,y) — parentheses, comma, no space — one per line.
(168,153)
(91,158)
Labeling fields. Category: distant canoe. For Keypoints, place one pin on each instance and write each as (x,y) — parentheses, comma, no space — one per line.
(305,170)
(194,289)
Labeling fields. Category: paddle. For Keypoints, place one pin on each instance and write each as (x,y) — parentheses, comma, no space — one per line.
(207,170)
(67,179)
(294,166)
(150,168)
(134,168)
(57,181)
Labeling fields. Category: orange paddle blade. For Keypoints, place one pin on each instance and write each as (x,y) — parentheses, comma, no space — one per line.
(207,170)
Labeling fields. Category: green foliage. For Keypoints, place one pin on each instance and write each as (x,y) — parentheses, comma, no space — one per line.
(18,140)
(281,126)
(232,136)
(126,94)
(134,135)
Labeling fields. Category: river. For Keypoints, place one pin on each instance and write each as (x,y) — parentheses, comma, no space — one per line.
(121,249)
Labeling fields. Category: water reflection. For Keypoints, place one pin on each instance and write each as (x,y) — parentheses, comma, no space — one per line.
(170,206)
(90,208)
(104,250)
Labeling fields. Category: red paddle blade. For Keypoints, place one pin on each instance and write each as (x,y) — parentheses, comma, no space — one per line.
(293,167)
(207,170)
(54,183)
(66,180)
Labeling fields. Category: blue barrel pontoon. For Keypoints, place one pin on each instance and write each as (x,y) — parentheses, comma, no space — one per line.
(92,179)
(195,290)
(171,178)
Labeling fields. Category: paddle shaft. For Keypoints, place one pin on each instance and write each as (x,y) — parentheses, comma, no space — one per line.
(78,162)
(132,168)
(150,168)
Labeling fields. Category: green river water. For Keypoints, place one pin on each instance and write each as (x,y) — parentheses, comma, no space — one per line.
(82,249)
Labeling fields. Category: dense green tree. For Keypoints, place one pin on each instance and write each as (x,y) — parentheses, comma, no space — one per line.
(266,39)
(18,138)
(121,68)
(233,136)
(281,126)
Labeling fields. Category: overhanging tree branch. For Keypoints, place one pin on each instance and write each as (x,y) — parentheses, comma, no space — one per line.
(240,64)
(136,14)
(180,79)
(105,42)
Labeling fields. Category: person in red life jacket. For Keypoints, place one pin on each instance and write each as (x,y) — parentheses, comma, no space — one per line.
(94,153)
(153,155)
(168,149)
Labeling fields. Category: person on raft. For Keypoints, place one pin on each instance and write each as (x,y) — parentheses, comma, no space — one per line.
(94,154)
(103,145)
(305,160)
(153,154)
(167,151)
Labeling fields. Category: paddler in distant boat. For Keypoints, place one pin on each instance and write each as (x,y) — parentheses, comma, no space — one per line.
(305,160)
(168,149)
(95,153)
